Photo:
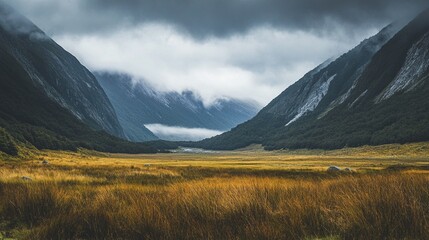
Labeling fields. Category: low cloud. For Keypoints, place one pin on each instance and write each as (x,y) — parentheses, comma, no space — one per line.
(15,23)
(256,66)
(173,133)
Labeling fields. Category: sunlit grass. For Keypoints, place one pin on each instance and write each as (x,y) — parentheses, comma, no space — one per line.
(225,195)
(377,157)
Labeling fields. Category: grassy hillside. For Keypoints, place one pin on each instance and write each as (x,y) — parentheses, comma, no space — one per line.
(400,119)
(7,143)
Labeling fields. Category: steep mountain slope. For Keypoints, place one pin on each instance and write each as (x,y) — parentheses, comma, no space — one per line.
(139,104)
(31,117)
(130,108)
(374,94)
(37,108)
(56,72)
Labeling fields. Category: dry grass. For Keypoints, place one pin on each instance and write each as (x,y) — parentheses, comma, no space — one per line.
(238,195)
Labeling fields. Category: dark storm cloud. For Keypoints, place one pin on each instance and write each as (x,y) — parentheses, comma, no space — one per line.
(221,17)
(203,18)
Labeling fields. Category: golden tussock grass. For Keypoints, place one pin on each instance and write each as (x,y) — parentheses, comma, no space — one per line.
(87,197)
(390,206)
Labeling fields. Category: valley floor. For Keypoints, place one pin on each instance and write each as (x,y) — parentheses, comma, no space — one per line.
(246,194)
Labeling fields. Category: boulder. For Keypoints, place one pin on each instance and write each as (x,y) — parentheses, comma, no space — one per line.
(334,169)
(25,178)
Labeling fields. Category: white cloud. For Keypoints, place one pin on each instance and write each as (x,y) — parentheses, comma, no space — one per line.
(257,65)
(174,133)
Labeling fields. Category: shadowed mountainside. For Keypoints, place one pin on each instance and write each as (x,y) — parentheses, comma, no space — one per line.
(374,94)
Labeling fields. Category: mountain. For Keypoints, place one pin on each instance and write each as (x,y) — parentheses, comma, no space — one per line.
(47,99)
(374,94)
(138,104)
(56,72)
(130,108)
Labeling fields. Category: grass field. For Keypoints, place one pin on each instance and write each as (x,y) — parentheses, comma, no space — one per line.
(246,194)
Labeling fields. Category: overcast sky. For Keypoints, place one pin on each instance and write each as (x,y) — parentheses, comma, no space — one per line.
(247,49)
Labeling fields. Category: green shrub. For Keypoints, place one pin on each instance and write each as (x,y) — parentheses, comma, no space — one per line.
(7,144)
